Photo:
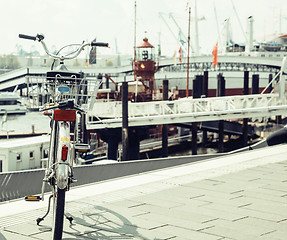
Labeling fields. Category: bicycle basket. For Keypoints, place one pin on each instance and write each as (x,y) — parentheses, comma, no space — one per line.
(67,85)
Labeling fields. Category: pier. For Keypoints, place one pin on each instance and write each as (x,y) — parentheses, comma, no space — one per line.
(212,199)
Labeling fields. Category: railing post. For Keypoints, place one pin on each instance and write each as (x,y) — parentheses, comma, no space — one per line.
(220,85)
(205,93)
(255,84)
(246,83)
(164,135)
(270,80)
(197,90)
(125,120)
(245,120)
(282,80)
(220,93)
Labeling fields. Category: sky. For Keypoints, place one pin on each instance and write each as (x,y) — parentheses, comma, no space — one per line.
(73,21)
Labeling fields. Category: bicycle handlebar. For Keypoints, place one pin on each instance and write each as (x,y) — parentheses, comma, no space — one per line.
(27,37)
(40,38)
(99,44)
(69,104)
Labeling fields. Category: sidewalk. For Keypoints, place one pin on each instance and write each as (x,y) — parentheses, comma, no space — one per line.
(243,196)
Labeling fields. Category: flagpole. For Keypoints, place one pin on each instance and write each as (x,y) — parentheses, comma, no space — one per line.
(188,47)
(135,54)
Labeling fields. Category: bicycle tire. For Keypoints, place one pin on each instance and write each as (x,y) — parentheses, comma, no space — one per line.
(59,208)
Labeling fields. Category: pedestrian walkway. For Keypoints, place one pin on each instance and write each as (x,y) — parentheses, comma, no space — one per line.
(242,197)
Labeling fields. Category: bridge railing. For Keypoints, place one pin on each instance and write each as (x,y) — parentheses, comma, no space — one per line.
(112,111)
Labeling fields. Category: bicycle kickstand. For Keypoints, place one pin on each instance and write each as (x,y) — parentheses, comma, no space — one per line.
(38,220)
(69,218)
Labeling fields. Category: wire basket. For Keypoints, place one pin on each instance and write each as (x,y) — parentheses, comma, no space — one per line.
(61,86)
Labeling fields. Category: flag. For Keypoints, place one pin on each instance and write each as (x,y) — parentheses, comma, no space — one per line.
(215,53)
(180,55)
(174,58)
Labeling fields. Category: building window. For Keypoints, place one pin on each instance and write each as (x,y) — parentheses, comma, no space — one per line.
(18,156)
(31,154)
(45,153)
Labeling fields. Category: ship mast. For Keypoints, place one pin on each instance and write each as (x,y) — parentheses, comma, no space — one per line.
(135,38)
(188,47)
(196,28)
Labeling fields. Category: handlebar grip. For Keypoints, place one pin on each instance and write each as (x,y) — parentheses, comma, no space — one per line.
(99,44)
(27,37)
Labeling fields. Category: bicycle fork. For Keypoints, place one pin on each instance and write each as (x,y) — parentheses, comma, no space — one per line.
(59,171)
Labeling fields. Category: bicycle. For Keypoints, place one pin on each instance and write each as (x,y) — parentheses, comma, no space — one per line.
(68,93)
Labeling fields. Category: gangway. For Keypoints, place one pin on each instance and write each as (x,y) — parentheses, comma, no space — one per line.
(109,114)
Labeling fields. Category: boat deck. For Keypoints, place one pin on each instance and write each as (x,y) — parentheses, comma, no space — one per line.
(242,196)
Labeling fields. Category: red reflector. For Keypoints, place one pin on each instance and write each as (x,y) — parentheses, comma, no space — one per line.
(64,153)
(65,115)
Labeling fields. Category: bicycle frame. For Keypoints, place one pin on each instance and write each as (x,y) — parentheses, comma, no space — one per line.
(62,85)
(61,153)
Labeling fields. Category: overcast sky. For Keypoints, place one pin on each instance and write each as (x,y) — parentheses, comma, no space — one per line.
(72,21)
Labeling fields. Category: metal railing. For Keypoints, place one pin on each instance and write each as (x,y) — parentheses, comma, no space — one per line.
(18,184)
(29,182)
(109,114)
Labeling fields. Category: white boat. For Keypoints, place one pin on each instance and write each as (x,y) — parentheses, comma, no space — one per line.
(11,103)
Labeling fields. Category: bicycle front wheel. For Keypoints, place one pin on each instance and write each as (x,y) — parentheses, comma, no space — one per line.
(59,208)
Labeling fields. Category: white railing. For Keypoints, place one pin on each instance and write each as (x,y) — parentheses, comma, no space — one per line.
(109,114)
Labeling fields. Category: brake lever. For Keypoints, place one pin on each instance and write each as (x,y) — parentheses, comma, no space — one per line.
(69,104)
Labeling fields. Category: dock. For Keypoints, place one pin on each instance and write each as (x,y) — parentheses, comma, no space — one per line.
(239,196)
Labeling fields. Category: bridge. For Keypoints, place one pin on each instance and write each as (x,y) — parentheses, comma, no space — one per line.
(25,77)
(226,63)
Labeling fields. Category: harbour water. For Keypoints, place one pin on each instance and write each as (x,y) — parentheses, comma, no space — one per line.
(31,122)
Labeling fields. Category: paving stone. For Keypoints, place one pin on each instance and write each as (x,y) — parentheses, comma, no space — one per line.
(5,235)
(128,203)
(125,229)
(261,223)
(240,225)
(158,202)
(200,190)
(27,229)
(222,231)
(274,235)
(258,193)
(182,212)
(146,223)
(154,234)
(185,233)
(222,213)
(273,208)
(249,211)
(65,236)
(280,187)
(151,220)
(234,201)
